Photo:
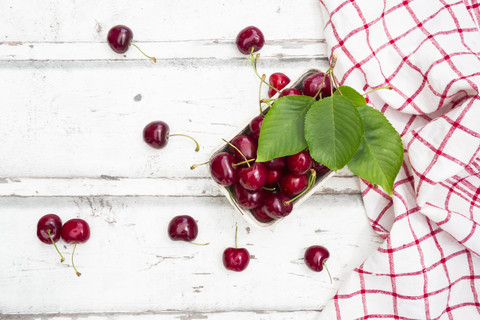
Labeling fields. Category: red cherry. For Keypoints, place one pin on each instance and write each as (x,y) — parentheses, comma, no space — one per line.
(321,169)
(260,214)
(49,230)
(254,177)
(316,257)
(75,231)
(222,169)
(248,199)
(273,176)
(278,81)
(299,163)
(317,82)
(250,39)
(183,228)
(277,205)
(157,133)
(236,259)
(276,164)
(255,126)
(119,38)
(290,92)
(247,146)
(293,184)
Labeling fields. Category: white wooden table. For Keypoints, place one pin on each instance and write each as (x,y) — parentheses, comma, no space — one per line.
(72,114)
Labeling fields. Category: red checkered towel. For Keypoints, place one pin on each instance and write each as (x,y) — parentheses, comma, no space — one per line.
(428,267)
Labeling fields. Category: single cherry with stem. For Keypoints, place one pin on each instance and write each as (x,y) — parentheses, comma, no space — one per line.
(157,133)
(75,231)
(120,38)
(318,84)
(276,205)
(183,228)
(279,81)
(250,40)
(49,230)
(243,147)
(222,169)
(236,259)
(316,257)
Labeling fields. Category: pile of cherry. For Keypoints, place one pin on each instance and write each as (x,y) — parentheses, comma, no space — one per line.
(268,189)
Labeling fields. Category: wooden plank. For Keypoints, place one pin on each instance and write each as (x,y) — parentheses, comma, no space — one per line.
(177,315)
(212,49)
(157,20)
(139,187)
(130,265)
(86,120)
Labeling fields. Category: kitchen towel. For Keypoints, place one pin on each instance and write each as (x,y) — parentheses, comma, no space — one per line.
(428,266)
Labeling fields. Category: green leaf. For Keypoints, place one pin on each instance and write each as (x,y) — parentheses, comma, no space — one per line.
(282,132)
(380,155)
(333,130)
(351,94)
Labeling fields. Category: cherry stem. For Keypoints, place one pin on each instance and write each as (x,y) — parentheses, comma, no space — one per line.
(53,242)
(197,148)
(388,87)
(230,144)
(328,271)
(153,58)
(267,101)
(233,201)
(198,165)
(73,265)
(200,244)
(268,189)
(260,94)
(250,55)
(243,162)
(236,231)
(254,66)
(311,182)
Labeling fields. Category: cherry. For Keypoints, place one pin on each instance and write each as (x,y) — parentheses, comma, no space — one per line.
(75,231)
(183,228)
(277,205)
(254,177)
(246,145)
(222,169)
(261,215)
(248,199)
(120,38)
(316,257)
(273,176)
(276,163)
(279,81)
(236,259)
(290,92)
(320,168)
(317,84)
(293,184)
(156,135)
(255,126)
(249,40)
(299,163)
(49,229)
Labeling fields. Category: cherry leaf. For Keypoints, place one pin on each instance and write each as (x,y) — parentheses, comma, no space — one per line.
(333,130)
(380,155)
(282,131)
(351,94)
